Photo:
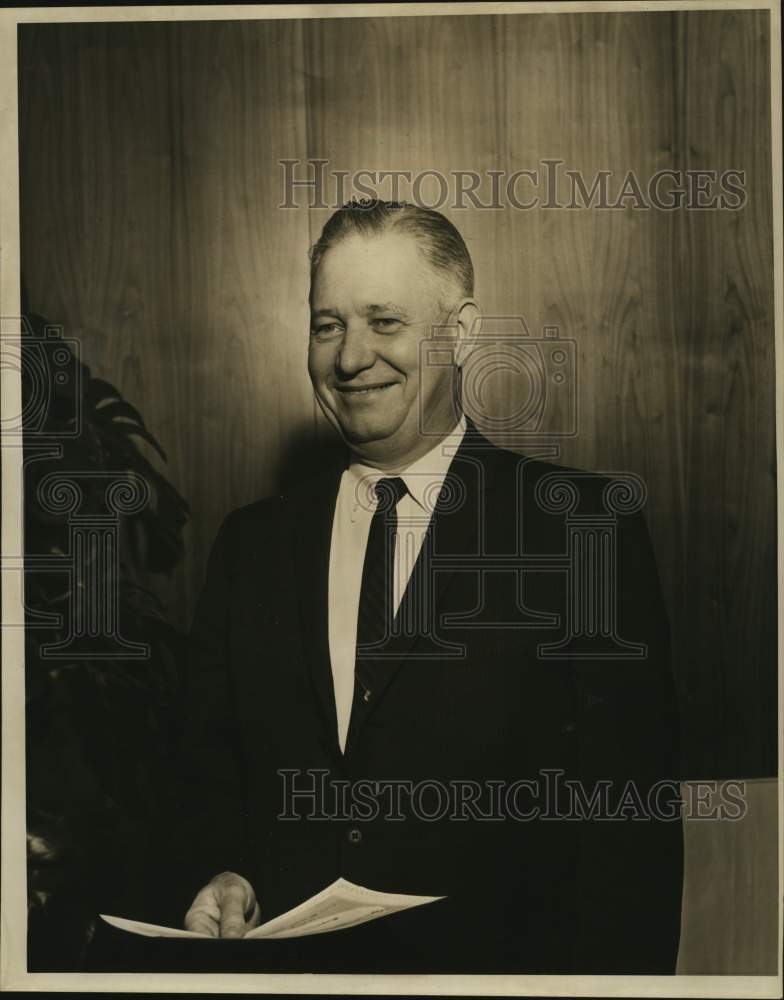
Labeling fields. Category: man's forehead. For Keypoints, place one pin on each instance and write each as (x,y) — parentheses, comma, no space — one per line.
(377,271)
(385,252)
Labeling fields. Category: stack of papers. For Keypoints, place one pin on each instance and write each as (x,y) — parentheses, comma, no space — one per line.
(340,905)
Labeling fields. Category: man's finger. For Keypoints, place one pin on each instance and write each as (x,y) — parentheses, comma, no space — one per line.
(202,921)
(206,903)
(232,919)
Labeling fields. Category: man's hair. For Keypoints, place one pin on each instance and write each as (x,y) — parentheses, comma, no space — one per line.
(438,240)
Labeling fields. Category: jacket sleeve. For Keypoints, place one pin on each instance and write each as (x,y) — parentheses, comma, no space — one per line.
(630,865)
(208,814)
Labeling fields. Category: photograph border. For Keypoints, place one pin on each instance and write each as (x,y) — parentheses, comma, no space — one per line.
(13,918)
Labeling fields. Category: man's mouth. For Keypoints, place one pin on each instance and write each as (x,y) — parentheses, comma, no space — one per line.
(363,390)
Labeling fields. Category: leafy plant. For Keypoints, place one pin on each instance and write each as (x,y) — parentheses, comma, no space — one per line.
(99,731)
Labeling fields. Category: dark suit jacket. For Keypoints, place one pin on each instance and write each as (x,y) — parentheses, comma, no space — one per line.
(470,696)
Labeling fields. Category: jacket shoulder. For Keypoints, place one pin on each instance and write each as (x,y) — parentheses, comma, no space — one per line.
(261,517)
(558,488)
(507,464)
(254,513)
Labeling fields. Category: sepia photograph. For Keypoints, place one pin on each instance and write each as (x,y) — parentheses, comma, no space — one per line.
(390,529)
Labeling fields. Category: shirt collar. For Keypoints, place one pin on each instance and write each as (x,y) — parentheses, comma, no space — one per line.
(422,475)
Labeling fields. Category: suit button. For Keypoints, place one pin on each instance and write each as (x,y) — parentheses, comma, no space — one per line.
(367,695)
(354,836)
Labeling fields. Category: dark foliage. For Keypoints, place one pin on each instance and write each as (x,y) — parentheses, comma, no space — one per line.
(99,731)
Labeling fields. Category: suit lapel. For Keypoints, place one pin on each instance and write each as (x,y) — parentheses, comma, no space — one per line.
(455,531)
(312,509)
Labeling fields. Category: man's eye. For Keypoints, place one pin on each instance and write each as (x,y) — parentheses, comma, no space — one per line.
(386,322)
(325,329)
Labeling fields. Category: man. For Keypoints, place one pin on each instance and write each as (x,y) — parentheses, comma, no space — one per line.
(375,626)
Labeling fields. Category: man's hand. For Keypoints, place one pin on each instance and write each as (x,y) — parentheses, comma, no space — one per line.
(226,907)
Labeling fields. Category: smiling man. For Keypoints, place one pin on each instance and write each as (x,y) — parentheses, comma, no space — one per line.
(380,689)
(375,301)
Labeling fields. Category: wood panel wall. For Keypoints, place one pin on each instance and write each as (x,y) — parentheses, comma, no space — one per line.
(729,919)
(150,228)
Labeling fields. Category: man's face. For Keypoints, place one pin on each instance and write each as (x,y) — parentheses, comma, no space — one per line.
(373,301)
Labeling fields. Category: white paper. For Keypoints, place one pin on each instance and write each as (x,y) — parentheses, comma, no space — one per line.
(340,905)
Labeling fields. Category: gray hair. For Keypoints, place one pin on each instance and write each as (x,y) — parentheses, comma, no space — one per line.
(440,243)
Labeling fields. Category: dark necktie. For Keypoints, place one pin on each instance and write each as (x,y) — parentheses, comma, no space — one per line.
(376,598)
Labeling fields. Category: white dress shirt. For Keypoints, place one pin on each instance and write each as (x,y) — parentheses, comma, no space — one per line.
(354,508)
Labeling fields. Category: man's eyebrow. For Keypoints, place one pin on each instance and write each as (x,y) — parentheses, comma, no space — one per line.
(368,310)
(385,307)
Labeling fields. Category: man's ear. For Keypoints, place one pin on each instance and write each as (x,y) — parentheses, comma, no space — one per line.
(469,324)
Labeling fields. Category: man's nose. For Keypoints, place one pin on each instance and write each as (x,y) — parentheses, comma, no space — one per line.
(356,352)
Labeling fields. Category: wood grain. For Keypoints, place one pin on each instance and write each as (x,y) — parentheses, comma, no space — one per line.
(151,229)
(730,896)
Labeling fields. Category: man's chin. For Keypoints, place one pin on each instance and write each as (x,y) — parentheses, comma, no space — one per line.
(378,447)
(368,432)
(366,440)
